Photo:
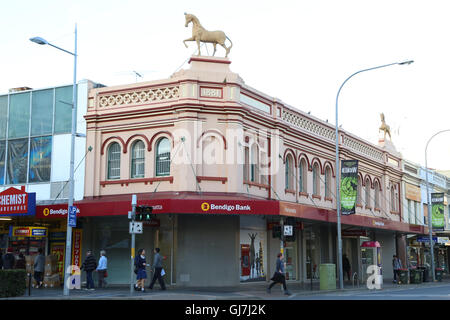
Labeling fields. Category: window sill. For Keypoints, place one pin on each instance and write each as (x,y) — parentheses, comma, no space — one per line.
(289,191)
(315,196)
(359,206)
(368,208)
(255,184)
(204,178)
(144,180)
(304,194)
(377,209)
(328,199)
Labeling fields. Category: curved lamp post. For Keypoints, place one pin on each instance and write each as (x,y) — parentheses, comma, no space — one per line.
(68,253)
(430,225)
(338,173)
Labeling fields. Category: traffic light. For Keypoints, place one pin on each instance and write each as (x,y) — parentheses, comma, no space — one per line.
(144,213)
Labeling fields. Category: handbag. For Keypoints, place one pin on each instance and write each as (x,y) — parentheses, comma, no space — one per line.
(162,272)
(106,274)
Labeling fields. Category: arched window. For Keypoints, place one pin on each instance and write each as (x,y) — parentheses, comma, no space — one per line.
(289,179)
(254,172)
(163,157)
(316,180)
(113,171)
(138,159)
(328,182)
(377,195)
(359,192)
(302,173)
(367,193)
(393,208)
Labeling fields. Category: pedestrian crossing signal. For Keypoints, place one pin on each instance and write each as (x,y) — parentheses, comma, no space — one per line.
(144,213)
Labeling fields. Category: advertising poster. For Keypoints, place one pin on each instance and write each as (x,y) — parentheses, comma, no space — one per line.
(437,211)
(349,186)
(58,249)
(76,247)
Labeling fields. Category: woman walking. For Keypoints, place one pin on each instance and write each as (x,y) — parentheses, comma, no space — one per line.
(140,264)
(102,269)
(278,276)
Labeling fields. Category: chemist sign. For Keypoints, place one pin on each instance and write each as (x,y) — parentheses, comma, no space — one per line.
(15,202)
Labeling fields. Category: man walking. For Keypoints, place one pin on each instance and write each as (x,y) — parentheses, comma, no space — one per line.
(397,265)
(89,265)
(39,267)
(279,276)
(157,267)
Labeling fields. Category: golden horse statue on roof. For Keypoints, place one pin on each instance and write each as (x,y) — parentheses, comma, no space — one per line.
(384,127)
(200,34)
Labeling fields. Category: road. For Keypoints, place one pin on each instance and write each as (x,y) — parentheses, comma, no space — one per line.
(436,292)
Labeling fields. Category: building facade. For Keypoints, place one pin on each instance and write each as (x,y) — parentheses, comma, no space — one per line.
(224,165)
(35,139)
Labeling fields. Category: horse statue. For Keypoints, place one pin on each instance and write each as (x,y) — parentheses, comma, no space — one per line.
(384,127)
(200,34)
(252,253)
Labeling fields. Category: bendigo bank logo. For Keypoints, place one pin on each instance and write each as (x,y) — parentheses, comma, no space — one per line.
(205,206)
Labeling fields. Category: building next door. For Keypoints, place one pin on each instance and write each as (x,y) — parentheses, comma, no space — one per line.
(245,260)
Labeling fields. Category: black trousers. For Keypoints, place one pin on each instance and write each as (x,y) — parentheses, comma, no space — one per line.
(38,277)
(157,275)
(282,280)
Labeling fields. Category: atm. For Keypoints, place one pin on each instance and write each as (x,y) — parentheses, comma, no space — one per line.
(370,255)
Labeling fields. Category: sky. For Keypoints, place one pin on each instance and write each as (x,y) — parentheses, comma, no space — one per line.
(297,51)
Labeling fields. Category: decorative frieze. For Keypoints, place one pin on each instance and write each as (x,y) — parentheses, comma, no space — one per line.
(298,121)
(363,148)
(139,97)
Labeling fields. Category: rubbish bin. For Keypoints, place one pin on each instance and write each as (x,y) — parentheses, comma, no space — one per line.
(438,273)
(403,276)
(327,273)
(415,275)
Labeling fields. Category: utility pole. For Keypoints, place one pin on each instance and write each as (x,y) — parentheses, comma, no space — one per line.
(133,238)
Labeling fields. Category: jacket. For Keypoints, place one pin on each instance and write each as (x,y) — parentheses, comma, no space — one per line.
(140,262)
(280,266)
(157,261)
(89,263)
(8,261)
(397,264)
(39,263)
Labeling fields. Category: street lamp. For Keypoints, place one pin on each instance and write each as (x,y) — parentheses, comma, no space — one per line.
(430,225)
(68,255)
(338,173)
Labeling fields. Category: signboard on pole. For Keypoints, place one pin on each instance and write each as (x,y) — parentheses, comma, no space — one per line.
(349,186)
(73,216)
(76,247)
(437,211)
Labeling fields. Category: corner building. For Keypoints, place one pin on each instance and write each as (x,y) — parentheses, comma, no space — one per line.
(223,165)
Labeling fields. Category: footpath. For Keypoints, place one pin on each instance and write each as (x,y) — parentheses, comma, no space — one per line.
(244,291)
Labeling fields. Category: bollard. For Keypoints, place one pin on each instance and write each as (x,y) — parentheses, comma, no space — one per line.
(29,284)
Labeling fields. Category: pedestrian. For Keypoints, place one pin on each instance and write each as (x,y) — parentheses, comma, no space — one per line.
(279,275)
(39,267)
(140,264)
(102,269)
(9,260)
(397,265)
(20,264)
(89,265)
(346,265)
(157,268)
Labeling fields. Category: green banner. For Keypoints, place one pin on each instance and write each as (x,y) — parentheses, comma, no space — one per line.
(349,186)
(437,211)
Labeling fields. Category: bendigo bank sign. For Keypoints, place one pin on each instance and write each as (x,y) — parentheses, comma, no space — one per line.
(15,202)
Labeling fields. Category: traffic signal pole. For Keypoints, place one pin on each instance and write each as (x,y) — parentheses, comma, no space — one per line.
(133,214)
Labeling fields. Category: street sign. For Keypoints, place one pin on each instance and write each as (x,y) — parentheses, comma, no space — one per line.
(288,230)
(72,216)
(136,227)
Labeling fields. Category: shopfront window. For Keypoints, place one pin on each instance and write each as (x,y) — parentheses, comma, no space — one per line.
(63,109)
(17,161)
(312,254)
(114,161)
(40,159)
(302,176)
(138,160)
(42,112)
(19,115)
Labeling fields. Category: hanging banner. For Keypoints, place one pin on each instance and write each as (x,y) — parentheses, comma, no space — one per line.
(437,211)
(349,186)
(76,247)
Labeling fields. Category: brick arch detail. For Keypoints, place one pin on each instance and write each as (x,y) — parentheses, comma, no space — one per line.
(370,180)
(156,135)
(379,183)
(313,161)
(289,150)
(111,138)
(134,136)
(225,145)
(328,164)
(304,156)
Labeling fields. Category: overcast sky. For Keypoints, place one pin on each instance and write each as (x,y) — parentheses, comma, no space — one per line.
(297,51)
